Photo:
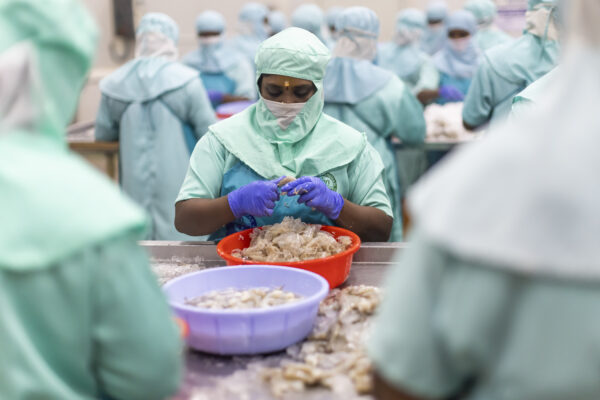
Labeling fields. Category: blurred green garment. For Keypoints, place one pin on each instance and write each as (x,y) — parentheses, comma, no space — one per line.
(534,93)
(507,69)
(254,144)
(488,35)
(371,99)
(157,109)
(81,315)
(498,295)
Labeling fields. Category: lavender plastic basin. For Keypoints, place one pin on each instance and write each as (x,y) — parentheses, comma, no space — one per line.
(248,331)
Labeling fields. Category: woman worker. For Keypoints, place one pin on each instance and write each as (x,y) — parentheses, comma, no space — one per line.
(488,35)
(435,33)
(226,74)
(371,99)
(457,61)
(157,109)
(404,57)
(509,68)
(253,19)
(231,183)
(81,314)
(498,296)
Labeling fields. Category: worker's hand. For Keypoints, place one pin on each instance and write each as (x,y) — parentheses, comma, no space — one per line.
(314,193)
(215,96)
(257,199)
(450,93)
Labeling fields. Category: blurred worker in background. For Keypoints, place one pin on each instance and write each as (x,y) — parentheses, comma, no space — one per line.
(498,295)
(227,75)
(488,35)
(371,99)
(309,17)
(509,68)
(457,61)
(156,108)
(403,56)
(81,314)
(330,18)
(435,33)
(277,23)
(234,171)
(253,27)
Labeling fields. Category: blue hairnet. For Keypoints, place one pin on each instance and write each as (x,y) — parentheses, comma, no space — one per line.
(210,21)
(437,10)
(161,23)
(462,19)
(332,15)
(277,21)
(358,18)
(411,18)
(309,17)
(253,12)
(483,10)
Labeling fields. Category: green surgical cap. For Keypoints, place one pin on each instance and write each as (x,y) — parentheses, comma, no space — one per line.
(293,52)
(62,36)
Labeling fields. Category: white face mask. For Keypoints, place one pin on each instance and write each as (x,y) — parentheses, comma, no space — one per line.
(284,112)
(209,40)
(460,45)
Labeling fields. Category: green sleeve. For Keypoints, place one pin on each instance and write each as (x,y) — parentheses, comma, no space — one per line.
(108,119)
(366,181)
(205,173)
(192,106)
(480,99)
(410,119)
(429,78)
(138,349)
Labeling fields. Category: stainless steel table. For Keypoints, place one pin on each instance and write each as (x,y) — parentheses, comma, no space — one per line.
(203,371)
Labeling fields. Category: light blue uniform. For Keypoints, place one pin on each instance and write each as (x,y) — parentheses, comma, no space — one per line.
(505,71)
(435,37)
(156,109)
(311,18)
(251,20)
(487,35)
(457,67)
(404,57)
(373,100)
(222,68)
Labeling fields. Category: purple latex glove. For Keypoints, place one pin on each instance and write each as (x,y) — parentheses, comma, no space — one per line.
(450,93)
(257,199)
(214,96)
(314,193)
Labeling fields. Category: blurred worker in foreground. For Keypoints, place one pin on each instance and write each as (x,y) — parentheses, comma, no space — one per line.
(509,68)
(253,23)
(371,99)
(435,33)
(277,23)
(457,61)
(309,17)
(533,94)
(498,295)
(157,109)
(330,18)
(226,74)
(232,181)
(488,35)
(81,314)
(404,57)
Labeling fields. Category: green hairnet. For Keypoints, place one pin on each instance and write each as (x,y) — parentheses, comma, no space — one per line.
(62,36)
(483,10)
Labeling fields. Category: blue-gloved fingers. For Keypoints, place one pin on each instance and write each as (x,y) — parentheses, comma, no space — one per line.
(276,181)
(289,187)
(269,204)
(311,195)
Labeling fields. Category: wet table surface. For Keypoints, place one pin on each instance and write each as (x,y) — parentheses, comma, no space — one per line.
(206,374)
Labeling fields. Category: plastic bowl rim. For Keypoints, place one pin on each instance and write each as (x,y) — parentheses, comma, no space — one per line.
(320,295)
(354,247)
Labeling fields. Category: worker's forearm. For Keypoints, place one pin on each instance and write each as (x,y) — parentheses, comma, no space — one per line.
(384,391)
(369,223)
(197,217)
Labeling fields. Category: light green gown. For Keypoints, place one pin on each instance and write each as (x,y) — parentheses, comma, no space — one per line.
(81,316)
(446,321)
(391,111)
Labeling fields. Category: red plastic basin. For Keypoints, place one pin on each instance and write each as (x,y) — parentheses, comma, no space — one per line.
(335,269)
